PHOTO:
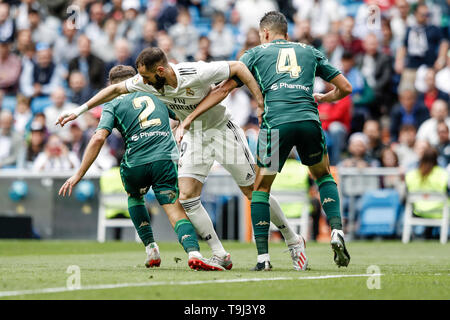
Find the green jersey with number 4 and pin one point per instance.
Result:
(143, 121)
(285, 72)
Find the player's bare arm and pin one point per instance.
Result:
(91, 153)
(220, 92)
(105, 95)
(342, 88)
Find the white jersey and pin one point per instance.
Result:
(194, 81)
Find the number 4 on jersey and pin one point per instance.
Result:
(287, 62)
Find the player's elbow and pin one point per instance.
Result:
(347, 88)
(99, 137)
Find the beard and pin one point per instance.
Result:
(160, 82)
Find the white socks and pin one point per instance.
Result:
(203, 225)
(279, 220)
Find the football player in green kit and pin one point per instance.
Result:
(285, 72)
(149, 161)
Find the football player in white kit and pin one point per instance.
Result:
(212, 137)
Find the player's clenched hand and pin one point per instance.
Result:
(65, 117)
(182, 128)
(318, 97)
(69, 185)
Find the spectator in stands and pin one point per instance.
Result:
(347, 40)
(221, 37)
(387, 43)
(399, 22)
(7, 25)
(104, 47)
(22, 13)
(164, 12)
(443, 146)
(302, 33)
(165, 43)
(148, 39)
(375, 146)
(78, 139)
(377, 70)
(35, 144)
(424, 44)
(185, 36)
(122, 52)
(332, 49)
(323, 14)
(23, 44)
(251, 40)
(55, 157)
(78, 91)
(115, 12)
(66, 46)
(357, 148)
(11, 142)
(407, 111)
(40, 31)
(431, 93)
(428, 130)
(389, 159)
(428, 177)
(362, 95)
(405, 146)
(131, 26)
(443, 77)
(22, 115)
(59, 104)
(91, 66)
(335, 118)
(94, 29)
(204, 52)
(40, 77)
(10, 68)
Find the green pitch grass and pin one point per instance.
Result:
(419, 270)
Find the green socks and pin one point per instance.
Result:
(261, 220)
(186, 235)
(329, 197)
(141, 219)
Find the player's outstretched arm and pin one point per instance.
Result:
(103, 96)
(220, 92)
(342, 88)
(90, 154)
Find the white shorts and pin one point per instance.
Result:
(228, 146)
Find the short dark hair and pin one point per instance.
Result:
(120, 73)
(149, 57)
(347, 55)
(274, 21)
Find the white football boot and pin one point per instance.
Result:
(153, 257)
(341, 255)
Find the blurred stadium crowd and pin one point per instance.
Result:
(395, 53)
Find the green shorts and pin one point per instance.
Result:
(161, 175)
(275, 144)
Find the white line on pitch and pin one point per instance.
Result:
(172, 283)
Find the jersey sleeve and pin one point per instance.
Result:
(247, 59)
(135, 84)
(324, 69)
(213, 72)
(107, 119)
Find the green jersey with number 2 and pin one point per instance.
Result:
(285, 72)
(143, 121)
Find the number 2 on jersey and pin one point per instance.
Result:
(287, 62)
(149, 108)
